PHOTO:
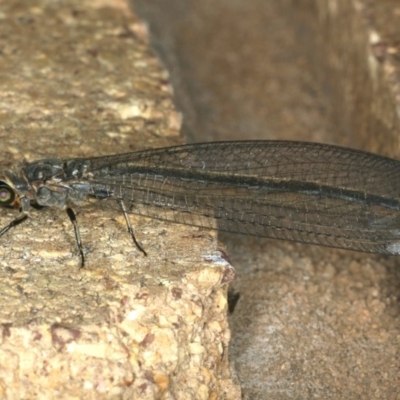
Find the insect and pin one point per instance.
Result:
(306, 192)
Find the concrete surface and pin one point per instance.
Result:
(311, 322)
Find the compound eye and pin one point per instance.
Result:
(7, 194)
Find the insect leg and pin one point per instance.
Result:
(130, 229)
(21, 217)
(72, 217)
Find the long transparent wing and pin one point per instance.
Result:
(300, 161)
(305, 192)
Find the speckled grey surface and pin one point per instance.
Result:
(78, 79)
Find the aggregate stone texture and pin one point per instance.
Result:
(78, 78)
